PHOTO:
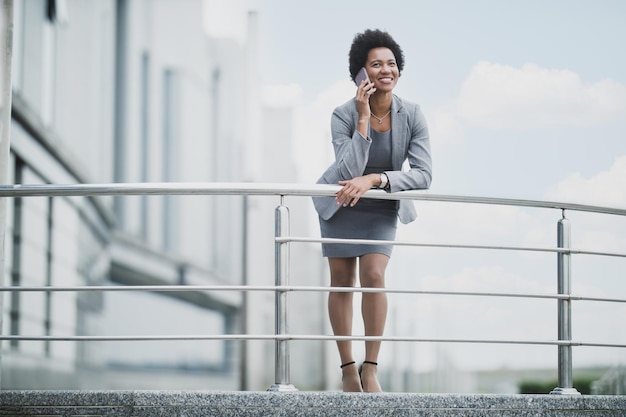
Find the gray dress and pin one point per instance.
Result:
(369, 218)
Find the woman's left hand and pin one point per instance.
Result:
(353, 189)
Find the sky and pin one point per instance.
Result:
(524, 99)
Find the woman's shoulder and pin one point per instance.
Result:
(347, 107)
(405, 105)
(412, 111)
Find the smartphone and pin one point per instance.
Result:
(362, 75)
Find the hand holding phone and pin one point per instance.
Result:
(361, 75)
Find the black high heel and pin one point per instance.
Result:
(358, 381)
(364, 362)
(361, 368)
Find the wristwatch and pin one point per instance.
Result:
(384, 181)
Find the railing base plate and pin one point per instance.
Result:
(565, 391)
(282, 388)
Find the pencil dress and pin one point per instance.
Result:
(370, 219)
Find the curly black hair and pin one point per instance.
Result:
(370, 39)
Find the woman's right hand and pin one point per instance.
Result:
(362, 99)
(363, 94)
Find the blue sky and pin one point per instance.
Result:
(524, 99)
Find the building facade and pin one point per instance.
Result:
(108, 92)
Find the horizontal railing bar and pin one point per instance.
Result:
(283, 189)
(575, 251)
(600, 299)
(416, 244)
(438, 340)
(283, 288)
(293, 288)
(139, 338)
(149, 288)
(285, 239)
(135, 338)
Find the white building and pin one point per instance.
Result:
(135, 91)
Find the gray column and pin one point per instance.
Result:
(6, 41)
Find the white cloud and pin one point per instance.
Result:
(444, 125)
(313, 146)
(485, 278)
(506, 318)
(497, 271)
(502, 97)
(495, 96)
(606, 188)
(469, 317)
(478, 224)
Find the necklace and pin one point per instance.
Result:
(380, 119)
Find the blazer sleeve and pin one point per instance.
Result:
(419, 175)
(351, 156)
(351, 148)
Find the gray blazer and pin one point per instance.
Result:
(409, 141)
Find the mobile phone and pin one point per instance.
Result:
(362, 75)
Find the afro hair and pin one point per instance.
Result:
(370, 39)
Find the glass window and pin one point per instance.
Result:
(140, 313)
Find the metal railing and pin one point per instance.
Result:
(283, 239)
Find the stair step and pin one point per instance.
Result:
(326, 404)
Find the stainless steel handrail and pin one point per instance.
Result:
(283, 240)
(276, 189)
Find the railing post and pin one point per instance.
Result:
(566, 382)
(281, 219)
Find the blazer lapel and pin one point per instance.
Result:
(399, 138)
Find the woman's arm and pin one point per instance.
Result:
(351, 148)
(419, 176)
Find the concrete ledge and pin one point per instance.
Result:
(326, 404)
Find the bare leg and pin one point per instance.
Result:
(374, 310)
(343, 274)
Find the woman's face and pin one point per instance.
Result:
(382, 69)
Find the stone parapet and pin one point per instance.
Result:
(326, 404)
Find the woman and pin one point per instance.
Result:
(373, 134)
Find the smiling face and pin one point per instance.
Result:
(382, 69)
